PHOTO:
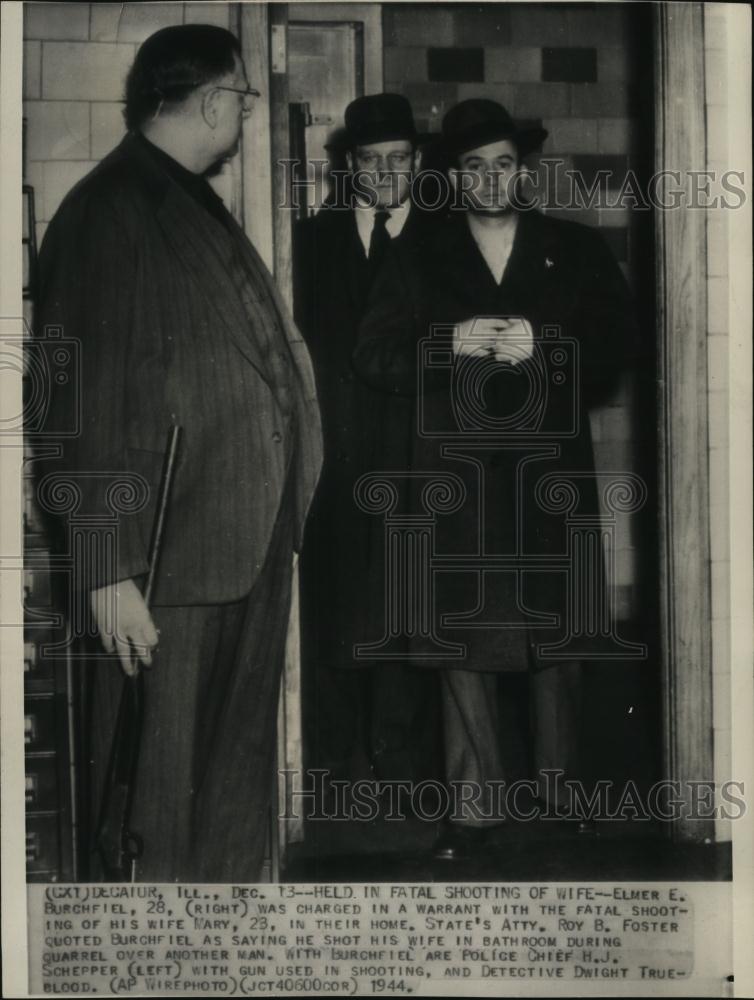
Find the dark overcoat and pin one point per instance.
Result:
(502, 432)
(363, 431)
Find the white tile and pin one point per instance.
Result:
(57, 130)
(32, 69)
(616, 424)
(34, 175)
(59, 178)
(571, 135)
(617, 216)
(434, 27)
(625, 567)
(207, 13)
(108, 127)
(513, 64)
(614, 64)
(85, 71)
(615, 135)
(57, 20)
(132, 22)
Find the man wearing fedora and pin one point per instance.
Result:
(491, 290)
(365, 720)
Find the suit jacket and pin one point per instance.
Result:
(562, 279)
(142, 275)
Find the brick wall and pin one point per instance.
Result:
(76, 56)
(718, 329)
(582, 73)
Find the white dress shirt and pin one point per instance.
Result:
(365, 221)
(515, 343)
(494, 245)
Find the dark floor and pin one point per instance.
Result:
(544, 850)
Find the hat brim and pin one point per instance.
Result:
(343, 140)
(526, 139)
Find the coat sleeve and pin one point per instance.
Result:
(87, 289)
(396, 324)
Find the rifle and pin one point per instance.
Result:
(119, 846)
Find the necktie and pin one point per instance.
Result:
(380, 238)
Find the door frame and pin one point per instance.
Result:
(681, 326)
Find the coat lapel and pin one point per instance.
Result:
(532, 269)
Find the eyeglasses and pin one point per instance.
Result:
(247, 93)
(373, 161)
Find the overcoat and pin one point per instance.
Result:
(140, 276)
(363, 431)
(505, 435)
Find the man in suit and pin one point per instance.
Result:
(363, 718)
(180, 323)
(491, 291)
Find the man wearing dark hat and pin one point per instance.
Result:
(358, 721)
(492, 290)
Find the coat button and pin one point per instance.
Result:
(277, 437)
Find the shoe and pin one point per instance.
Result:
(459, 841)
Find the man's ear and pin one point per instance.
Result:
(349, 161)
(417, 160)
(210, 107)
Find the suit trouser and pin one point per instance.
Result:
(206, 761)
(472, 736)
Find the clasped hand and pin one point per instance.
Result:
(506, 339)
(124, 624)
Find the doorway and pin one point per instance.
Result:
(639, 709)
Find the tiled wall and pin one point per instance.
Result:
(718, 328)
(76, 56)
(580, 72)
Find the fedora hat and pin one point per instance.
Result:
(375, 118)
(478, 121)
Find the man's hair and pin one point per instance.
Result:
(173, 62)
